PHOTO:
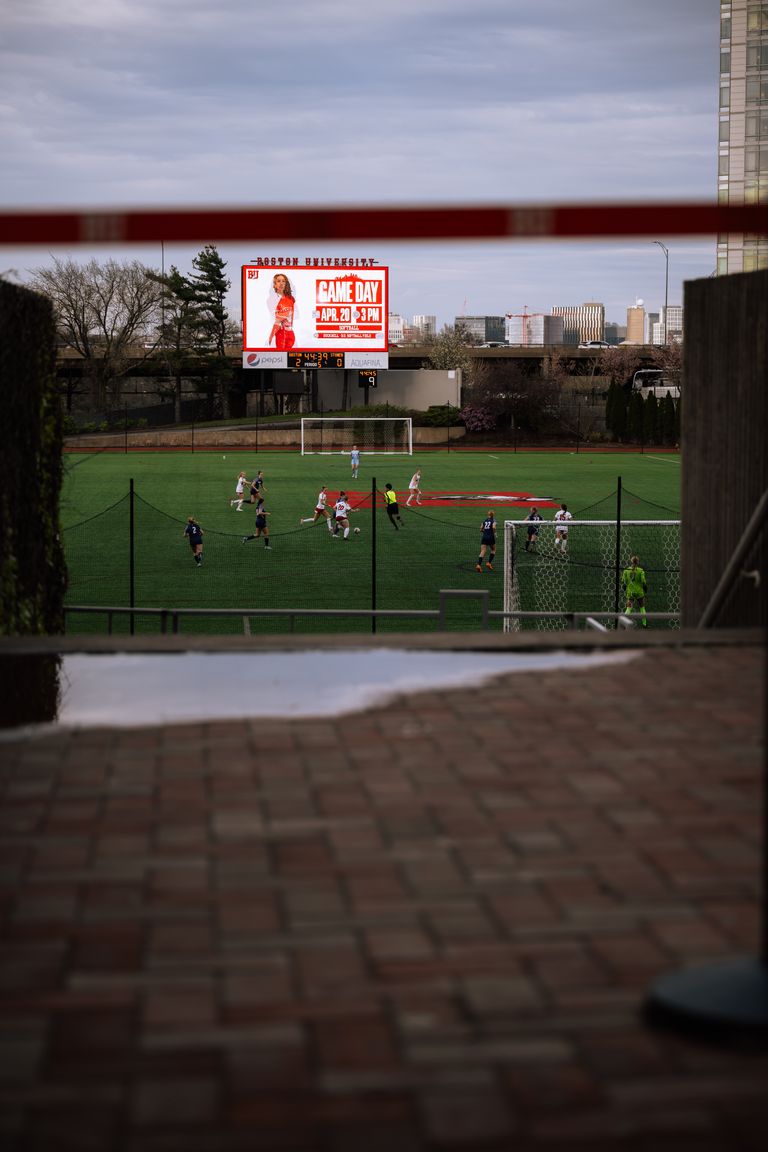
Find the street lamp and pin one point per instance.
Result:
(665, 250)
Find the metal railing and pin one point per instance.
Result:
(172, 616)
(733, 570)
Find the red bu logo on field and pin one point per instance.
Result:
(462, 499)
(503, 499)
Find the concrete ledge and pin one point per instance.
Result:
(435, 642)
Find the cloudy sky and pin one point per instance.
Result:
(138, 103)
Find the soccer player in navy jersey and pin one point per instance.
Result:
(194, 533)
(487, 542)
(257, 489)
(534, 518)
(261, 527)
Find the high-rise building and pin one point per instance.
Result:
(483, 329)
(615, 333)
(582, 322)
(396, 328)
(742, 162)
(669, 332)
(425, 326)
(636, 324)
(533, 329)
(672, 319)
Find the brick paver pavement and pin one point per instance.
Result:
(425, 927)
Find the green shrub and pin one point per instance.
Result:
(438, 416)
(377, 410)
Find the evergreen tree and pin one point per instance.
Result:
(616, 412)
(634, 432)
(668, 434)
(650, 419)
(210, 286)
(210, 291)
(180, 325)
(610, 411)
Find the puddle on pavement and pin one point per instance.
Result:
(129, 691)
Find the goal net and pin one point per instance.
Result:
(586, 577)
(372, 435)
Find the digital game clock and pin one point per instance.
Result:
(315, 359)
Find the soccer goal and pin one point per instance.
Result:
(586, 577)
(372, 435)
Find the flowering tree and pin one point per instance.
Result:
(478, 418)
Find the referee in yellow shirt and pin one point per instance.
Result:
(390, 502)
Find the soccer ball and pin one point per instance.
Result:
(357, 531)
(223, 457)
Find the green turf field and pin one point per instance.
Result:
(436, 550)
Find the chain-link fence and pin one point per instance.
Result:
(135, 555)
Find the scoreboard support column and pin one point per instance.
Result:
(367, 378)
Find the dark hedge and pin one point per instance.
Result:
(32, 569)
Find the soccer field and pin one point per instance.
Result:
(305, 569)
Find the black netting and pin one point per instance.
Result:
(304, 568)
(586, 577)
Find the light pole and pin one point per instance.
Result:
(665, 250)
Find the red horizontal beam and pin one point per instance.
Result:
(393, 224)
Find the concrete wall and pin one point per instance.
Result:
(725, 441)
(418, 389)
(204, 439)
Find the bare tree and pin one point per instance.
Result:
(621, 362)
(102, 311)
(449, 350)
(669, 357)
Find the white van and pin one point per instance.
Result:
(655, 381)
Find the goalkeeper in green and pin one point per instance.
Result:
(635, 588)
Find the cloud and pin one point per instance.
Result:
(190, 102)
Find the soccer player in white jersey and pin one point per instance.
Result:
(341, 508)
(562, 516)
(242, 480)
(321, 509)
(414, 488)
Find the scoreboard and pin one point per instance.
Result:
(319, 314)
(315, 360)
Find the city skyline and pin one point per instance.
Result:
(418, 103)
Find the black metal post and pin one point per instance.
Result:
(764, 924)
(193, 433)
(131, 564)
(125, 429)
(617, 559)
(373, 552)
